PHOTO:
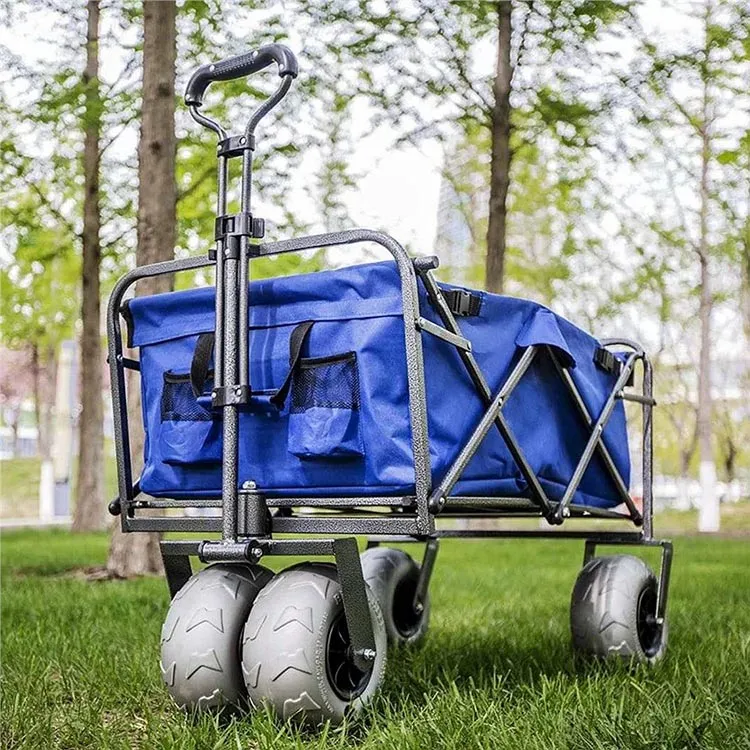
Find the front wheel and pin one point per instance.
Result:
(200, 639)
(296, 651)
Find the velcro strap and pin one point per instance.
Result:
(462, 302)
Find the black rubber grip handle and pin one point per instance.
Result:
(239, 67)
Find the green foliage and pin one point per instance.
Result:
(424, 65)
(39, 277)
(418, 61)
(41, 170)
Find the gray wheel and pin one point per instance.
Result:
(295, 651)
(200, 640)
(613, 610)
(392, 575)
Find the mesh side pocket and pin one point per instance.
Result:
(324, 412)
(178, 402)
(189, 434)
(326, 382)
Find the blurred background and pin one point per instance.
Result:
(591, 155)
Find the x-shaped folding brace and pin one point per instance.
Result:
(554, 512)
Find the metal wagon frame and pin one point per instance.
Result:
(250, 521)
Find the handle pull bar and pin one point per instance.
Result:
(240, 67)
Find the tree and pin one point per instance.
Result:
(38, 298)
(137, 554)
(545, 227)
(501, 152)
(89, 512)
(688, 95)
(417, 63)
(39, 276)
(51, 119)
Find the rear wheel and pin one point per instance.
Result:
(296, 651)
(393, 575)
(613, 610)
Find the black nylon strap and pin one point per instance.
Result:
(201, 364)
(296, 342)
(204, 347)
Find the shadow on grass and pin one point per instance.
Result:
(465, 662)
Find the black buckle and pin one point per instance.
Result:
(462, 302)
(611, 363)
(607, 361)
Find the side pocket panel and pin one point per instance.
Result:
(189, 433)
(324, 416)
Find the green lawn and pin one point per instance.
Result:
(80, 659)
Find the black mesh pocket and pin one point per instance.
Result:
(326, 382)
(178, 402)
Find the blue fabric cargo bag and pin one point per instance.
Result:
(330, 409)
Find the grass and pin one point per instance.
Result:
(80, 659)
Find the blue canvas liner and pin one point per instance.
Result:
(344, 429)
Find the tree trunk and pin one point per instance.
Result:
(684, 499)
(731, 451)
(89, 513)
(745, 260)
(138, 553)
(501, 153)
(708, 515)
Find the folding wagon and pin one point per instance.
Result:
(370, 401)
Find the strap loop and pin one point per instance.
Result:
(204, 349)
(296, 342)
(201, 364)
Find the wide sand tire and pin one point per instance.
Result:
(392, 575)
(294, 650)
(613, 610)
(200, 639)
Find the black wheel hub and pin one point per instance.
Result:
(405, 617)
(649, 630)
(346, 678)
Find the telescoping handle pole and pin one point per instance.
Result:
(232, 234)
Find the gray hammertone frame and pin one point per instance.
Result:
(249, 520)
